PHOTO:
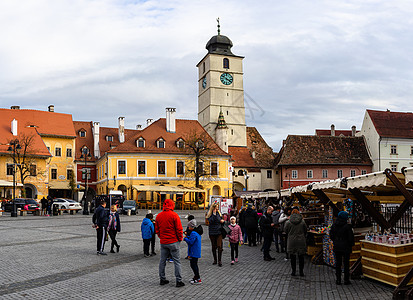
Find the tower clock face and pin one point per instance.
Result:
(226, 78)
(204, 82)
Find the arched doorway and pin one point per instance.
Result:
(216, 190)
(124, 190)
(31, 190)
(238, 186)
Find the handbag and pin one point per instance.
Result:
(225, 230)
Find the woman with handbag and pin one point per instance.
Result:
(214, 220)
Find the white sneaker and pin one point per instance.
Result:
(195, 281)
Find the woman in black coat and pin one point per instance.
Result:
(342, 236)
(214, 218)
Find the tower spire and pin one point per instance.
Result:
(219, 27)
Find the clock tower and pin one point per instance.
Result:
(221, 92)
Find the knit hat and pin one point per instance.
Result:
(192, 223)
(343, 215)
(233, 218)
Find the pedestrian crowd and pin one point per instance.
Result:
(285, 227)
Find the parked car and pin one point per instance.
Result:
(129, 205)
(21, 203)
(67, 204)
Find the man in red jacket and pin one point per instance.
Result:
(168, 227)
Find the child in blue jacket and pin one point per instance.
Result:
(148, 230)
(193, 239)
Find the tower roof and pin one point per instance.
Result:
(221, 121)
(220, 44)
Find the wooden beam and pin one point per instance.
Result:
(366, 204)
(403, 284)
(326, 201)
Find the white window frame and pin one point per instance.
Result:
(82, 132)
(393, 164)
(158, 143)
(137, 166)
(55, 150)
(294, 174)
(88, 172)
(363, 172)
(324, 173)
(176, 168)
(310, 174)
(157, 168)
(140, 139)
(393, 147)
(117, 166)
(339, 172)
(109, 138)
(352, 173)
(71, 152)
(269, 172)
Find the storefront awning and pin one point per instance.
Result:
(408, 174)
(368, 180)
(59, 185)
(166, 189)
(5, 183)
(285, 193)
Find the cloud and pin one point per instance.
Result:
(307, 64)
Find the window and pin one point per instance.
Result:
(180, 143)
(33, 171)
(225, 63)
(240, 173)
(200, 167)
(269, 173)
(68, 152)
(393, 167)
(141, 167)
(109, 138)
(352, 173)
(84, 172)
(294, 174)
(10, 169)
(69, 174)
(141, 143)
(161, 143)
(54, 173)
(121, 167)
(85, 150)
(411, 150)
(339, 173)
(203, 67)
(325, 173)
(161, 167)
(82, 133)
(363, 172)
(309, 173)
(214, 168)
(180, 168)
(58, 151)
(393, 149)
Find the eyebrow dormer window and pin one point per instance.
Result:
(140, 143)
(161, 143)
(82, 133)
(225, 63)
(180, 143)
(109, 138)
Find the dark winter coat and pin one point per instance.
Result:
(251, 219)
(116, 215)
(342, 236)
(242, 219)
(296, 230)
(265, 224)
(214, 227)
(100, 217)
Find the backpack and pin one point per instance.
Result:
(199, 229)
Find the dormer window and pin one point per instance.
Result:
(109, 138)
(161, 143)
(82, 133)
(180, 143)
(200, 144)
(225, 63)
(140, 143)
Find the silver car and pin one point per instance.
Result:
(67, 204)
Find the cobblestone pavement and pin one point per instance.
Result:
(55, 258)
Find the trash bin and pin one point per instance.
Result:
(55, 209)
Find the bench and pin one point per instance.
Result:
(36, 212)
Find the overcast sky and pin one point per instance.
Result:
(308, 64)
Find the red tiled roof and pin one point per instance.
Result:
(392, 124)
(327, 132)
(158, 129)
(264, 156)
(314, 150)
(242, 157)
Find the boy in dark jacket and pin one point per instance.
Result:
(193, 239)
(147, 230)
(342, 236)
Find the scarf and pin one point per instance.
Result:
(112, 221)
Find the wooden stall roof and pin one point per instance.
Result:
(408, 174)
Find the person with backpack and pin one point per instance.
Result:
(193, 239)
(235, 238)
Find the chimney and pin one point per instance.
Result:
(149, 122)
(139, 127)
(121, 129)
(95, 130)
(51, 108)
(14, 127)
(353, 130)
(333, 130)
(170, 119)
(15, 107)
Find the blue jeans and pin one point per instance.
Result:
(173, 250)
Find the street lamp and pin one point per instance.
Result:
(14, 148)
(85, 154)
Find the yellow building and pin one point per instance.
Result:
(45, 140)
(158, 163)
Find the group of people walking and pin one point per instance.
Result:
(286, 228)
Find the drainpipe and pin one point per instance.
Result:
(379, 154)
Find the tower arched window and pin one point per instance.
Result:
(225, 63)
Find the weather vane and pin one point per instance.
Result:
(219, 26)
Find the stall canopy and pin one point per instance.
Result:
(4, 183)
(408, 174)
(166, 189)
